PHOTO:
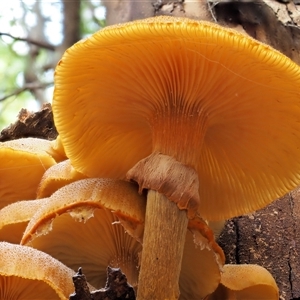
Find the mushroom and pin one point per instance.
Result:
(57, 149)
(245, 282)
(23, 163)
(99, 241)
(201, 115)
(26, 273)
(14, 219)
(56, 177)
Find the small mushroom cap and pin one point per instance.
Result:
(246, 282)
(14, 219)
(57, 150)
(26, 273)
(126, 79)
(118, 196)
(98, 241)
(56, 177)
(200, 273)
(23, 163)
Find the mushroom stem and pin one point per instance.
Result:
(164, 222)
(173, 197)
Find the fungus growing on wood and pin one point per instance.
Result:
(194, 111)
(26, 273)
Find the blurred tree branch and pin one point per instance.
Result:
(30, 41)
(27, 87)
(71, 24)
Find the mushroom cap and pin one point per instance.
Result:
(57, 150)
(26, 273)
(200, 273)
(112, 89)
(23, 163)
(14, 219)
(246, 282)
(99, 240)
(56, 177)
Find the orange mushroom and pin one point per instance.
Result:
(201, 115)
(14, 219)
(23, 163)
(56, 177)
(245, 282)
(94, 243)
(26, 273)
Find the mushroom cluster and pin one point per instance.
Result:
(166, 125)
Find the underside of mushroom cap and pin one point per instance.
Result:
(83, 196)
(173, 85)
(26, 273)
(94, 245)
(99, 240)
(14, 219)
(23, 163)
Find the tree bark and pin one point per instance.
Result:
(271, 22)
(269, 237)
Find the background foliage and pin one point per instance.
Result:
(33, 37)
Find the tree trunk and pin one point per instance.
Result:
(269, 237)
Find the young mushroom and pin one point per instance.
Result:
(56, 177)
(201, 115)
(23, 163)
(26, 273)
(14, 219)
(245, 282)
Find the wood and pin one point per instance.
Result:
(38, 125)
(270, 238)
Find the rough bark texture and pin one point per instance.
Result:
(270, 238)
(271, 22)
(39, 125)
(116, 287)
